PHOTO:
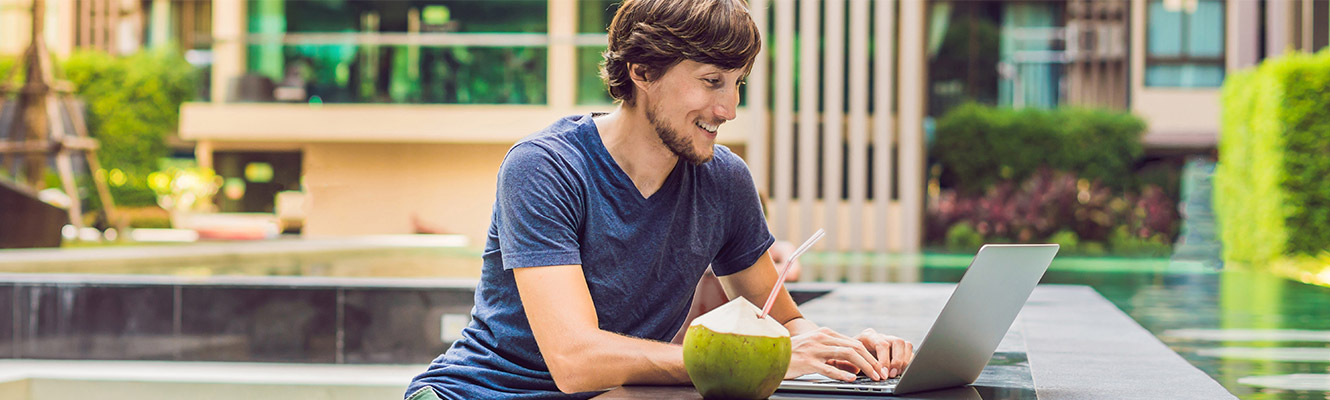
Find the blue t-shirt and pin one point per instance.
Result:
(562, 200)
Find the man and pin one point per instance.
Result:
(602, 224)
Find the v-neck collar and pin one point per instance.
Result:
(620, 178)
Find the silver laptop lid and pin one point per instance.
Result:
(976, 317)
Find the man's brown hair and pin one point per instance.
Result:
(657, 34)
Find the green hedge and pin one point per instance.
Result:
(978, 146)
(1272, 197)
(132, 104)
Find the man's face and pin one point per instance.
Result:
(687, 105)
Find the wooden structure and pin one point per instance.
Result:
(47, 124)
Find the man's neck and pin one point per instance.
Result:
(635, 146)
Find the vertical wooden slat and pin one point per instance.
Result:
(104, 25)
(95, 21)
(159, 17)
(113, 8)
(833, 119)
(784, 118)
(757, 150)
(561, 66)
(858, 122)
(228, 32)
(93, 6)
(1278, 36)
(85, 22)
(107, 20)
(883, 133)
(911, 114)
(188, 20)
(809, 35)
(1242, 33)
(1308, 27)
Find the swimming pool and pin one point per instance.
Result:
(1261, 336)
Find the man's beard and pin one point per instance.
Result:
(678, 144)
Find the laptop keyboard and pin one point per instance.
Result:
(863, 380)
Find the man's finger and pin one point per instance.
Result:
(844, 366)
(909, 352)
(899, 357)
(874, 365)
(832, 372)
(853, 356)
(884, 357)
(870, 365)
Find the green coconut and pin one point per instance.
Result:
(730, 353)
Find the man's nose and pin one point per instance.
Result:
(725, 108)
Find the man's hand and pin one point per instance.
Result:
(834, 355)
(892, 352)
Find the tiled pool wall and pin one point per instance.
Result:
(243, 319)
(307, 323)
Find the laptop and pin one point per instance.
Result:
(966, 333)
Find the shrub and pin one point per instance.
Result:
(963, 238)
(1099, 145)
(1048, 203)
(7, 70)
(1093, 249)
(1125, 242)
(1066, 240)
(1271, 196)
(133, 103)
(978, 146)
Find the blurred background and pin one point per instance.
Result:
(310, 181)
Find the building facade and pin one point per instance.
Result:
(396, 114)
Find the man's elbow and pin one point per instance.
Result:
(572, 374)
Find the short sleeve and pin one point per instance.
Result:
(747, 237)
(538, 203)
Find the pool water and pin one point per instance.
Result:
(1259, 335)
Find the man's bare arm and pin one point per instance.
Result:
(582, 357)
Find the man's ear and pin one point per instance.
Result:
(638, 74)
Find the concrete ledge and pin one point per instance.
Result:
(1078, 340)
(43, 380)
(380, 256)
(238, 281)
(225, 251)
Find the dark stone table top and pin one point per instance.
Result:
(1067, 343)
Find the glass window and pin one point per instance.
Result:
(591, 89)
(964, 49)
(1185, 44)
(466, 16)
(593, 21)
(403, 51)
(594, 16)
(402, 74)
(1030, 67)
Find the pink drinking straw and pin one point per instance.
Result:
(780, 280)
